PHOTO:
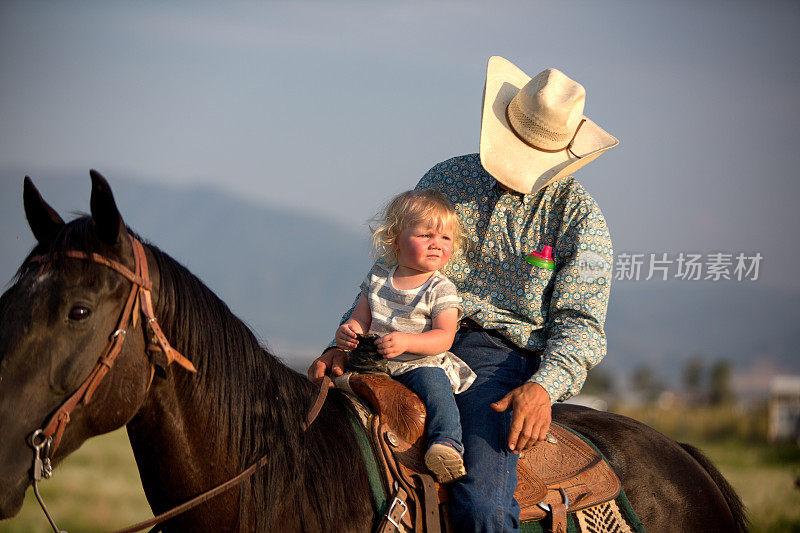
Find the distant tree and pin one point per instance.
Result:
(719, 383)
(693, 374)
(644, 381)
(598, 382)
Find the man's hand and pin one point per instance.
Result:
(392, 345)
(532, 413)
(333, 359)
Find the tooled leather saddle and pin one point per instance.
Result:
(560, 475)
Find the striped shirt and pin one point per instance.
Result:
(413, 311)
(408, 311)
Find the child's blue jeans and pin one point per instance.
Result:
(434, 389)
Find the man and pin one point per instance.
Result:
(534, 278)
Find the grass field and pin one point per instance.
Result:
(97, 488)
(764, 476)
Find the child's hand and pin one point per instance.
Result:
(346, 338)
(392, 345)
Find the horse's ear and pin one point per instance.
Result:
(43, 219)
(105, 214)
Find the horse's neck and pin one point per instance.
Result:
(182, 439)
(175, 452)
(171, 436)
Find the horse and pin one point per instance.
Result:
(193, 430)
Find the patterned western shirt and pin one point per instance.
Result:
(557, 313)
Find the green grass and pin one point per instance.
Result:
(95, 489)
(764, 477)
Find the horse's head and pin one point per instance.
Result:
(55, 323)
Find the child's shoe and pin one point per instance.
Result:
(445, 462)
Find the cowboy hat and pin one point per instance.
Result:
(533, 130)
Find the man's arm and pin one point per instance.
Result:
(576, 338)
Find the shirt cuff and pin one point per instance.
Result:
(558, 392)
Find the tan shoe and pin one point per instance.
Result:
(445, 462)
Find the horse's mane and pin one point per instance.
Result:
(235, 374)
(256, 405)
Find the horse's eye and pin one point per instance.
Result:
(79, 312)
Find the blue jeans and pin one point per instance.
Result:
(433, 387)
(484, 499)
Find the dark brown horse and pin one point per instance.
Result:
(192, 431)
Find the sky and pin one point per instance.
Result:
(333, 107)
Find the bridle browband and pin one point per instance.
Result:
(46, 439)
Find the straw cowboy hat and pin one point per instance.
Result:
(533, 130)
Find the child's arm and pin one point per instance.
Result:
(358, 323)
(433, 342)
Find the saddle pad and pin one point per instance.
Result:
(616, 516)
(608, 517)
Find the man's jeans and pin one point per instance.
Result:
(484, 499)
(434, 389)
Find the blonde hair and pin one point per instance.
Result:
(407, 209)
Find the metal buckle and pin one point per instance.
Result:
(42, 448)
(396, 501)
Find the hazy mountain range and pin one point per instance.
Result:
(290, 275)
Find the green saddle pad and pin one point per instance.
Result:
(600, 518)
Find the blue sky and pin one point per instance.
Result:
(332, 107)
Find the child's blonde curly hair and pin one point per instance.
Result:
(407, 209)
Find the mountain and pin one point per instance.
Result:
(288, 275)
(291, 275)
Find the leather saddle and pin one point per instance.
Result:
(558, 476)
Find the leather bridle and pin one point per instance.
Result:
(141, 287)
(46, 439)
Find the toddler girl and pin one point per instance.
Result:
(414, 311)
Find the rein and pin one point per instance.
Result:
(46, 439)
